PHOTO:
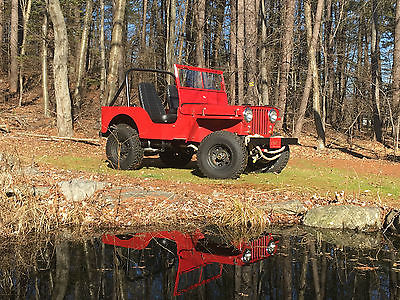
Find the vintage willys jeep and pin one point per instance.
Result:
(197, 119)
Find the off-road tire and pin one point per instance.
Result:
(276, 166)
(178, 158)
(124, 150)
(221, 155)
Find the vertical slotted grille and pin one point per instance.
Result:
(259, 248)
(259, 124)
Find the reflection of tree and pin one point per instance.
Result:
(62, 270)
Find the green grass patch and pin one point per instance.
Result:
(302, 176)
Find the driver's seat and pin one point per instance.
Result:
(152, 104)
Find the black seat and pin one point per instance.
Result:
(152, 104)
(172, 99)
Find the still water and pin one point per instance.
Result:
(294, 264)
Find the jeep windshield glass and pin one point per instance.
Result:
(200, 80)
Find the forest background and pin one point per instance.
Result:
(334, 61)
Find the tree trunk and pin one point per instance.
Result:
(251, 21)
(232, 57)
(103, 71)
(116, 51)
(375, 93)
(14, 47)
(312, 52)
(81, 63)
(169, 46)
(60, 66)
(144, 21)
(396, 62)
(1, 33)
(26, 12)
(45, 83)
(264, 60)
(200, 21)
(287, 51)
(239, 50)
(181, 36)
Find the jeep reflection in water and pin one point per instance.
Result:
(196, 119)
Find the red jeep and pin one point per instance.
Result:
(196, 119)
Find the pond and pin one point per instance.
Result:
(283, 264)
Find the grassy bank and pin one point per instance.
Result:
(301, 176)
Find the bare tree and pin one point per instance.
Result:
(312, 55)
(45, 64)
(116, 50)
(200, 11)
(287, 51)
(232, 58)
(81, 60)
(14, 47)
(170, 41)
(26, 6)
(396, 61)
(103, 72)
(1, 32)
(375, 74)
(264, 60)
(60, 66)
(239, 50)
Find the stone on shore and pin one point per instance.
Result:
(294, 207)
(344, 217)
(79, 189)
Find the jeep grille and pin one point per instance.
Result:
(259, 248)
(260, 121)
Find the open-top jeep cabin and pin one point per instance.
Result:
(196, 119)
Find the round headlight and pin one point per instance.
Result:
(246, 256)
(273, 115)
(248, 114)
(271, 247)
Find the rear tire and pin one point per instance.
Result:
(124, 150)
(221, 155)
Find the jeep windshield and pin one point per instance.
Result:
(200, 80)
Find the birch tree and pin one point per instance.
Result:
(45, 83)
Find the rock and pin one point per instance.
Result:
(344, 217)
(294, 207)
(79, 189)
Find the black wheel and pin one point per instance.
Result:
(222, 154)
(275, 166)
(123, 148)
(178, 158)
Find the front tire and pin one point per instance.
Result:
(124, 150)
(221, 155)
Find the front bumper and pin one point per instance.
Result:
(275, 142)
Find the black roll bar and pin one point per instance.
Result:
(126, 82)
